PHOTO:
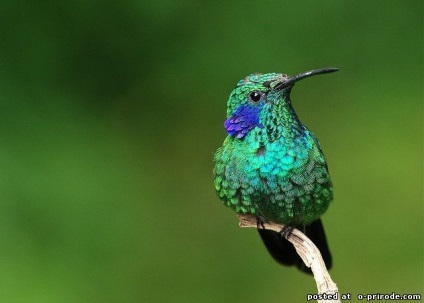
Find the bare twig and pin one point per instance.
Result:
(327, 289)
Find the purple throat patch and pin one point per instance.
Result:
(243, 120)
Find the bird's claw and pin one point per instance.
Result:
(286, 231)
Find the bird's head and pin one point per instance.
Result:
(263, 101)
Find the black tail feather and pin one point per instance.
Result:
(284, 252)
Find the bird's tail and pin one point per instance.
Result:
(284, 252)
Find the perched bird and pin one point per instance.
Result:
(271, 166)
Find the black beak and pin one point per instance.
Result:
(290, 81)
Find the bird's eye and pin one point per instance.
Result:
(255, 96)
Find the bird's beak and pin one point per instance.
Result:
(290, 81)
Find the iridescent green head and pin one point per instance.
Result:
(262, 100)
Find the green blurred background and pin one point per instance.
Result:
(110, 113)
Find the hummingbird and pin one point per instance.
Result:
(272, 166)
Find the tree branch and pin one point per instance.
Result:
(309, 253)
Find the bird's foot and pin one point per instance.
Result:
(260, 222)
(286, 231)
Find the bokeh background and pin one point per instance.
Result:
(110, 113)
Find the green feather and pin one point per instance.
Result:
(276, 172)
